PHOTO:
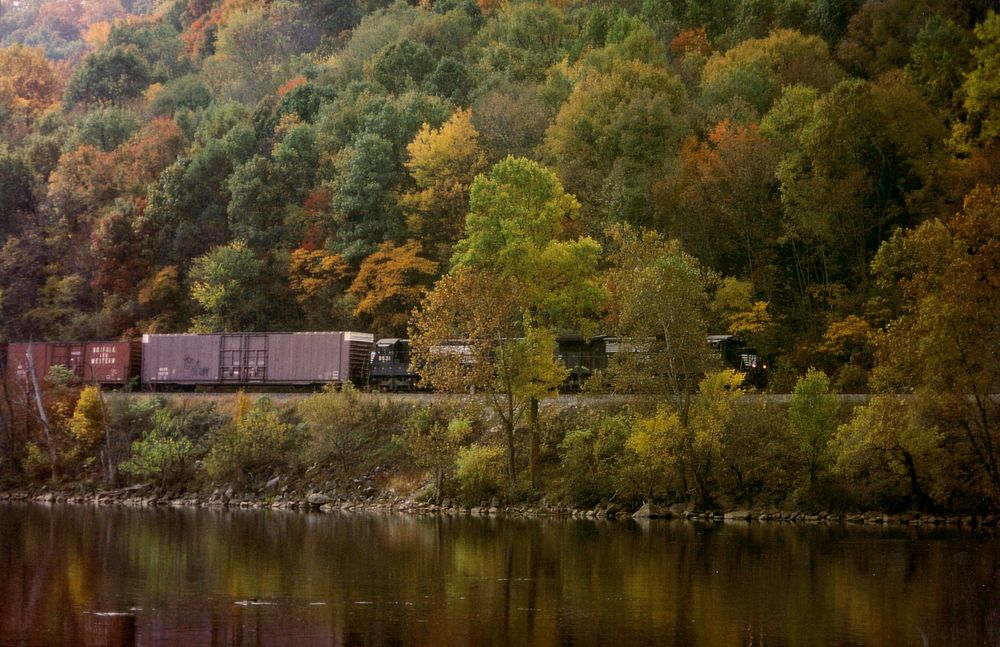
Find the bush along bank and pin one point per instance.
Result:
(732, 457)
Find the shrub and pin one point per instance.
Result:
(479, 471)
(348, 428)
(162, 453)
(87, 423)
(434, 442)
(251, 444)
(592, 460)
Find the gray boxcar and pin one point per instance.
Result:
(274, 358)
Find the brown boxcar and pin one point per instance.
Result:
(255, 358)
(109, 362)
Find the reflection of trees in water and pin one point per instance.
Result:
(408, 580)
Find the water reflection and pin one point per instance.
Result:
(101, 576)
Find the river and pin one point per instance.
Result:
(85, 575)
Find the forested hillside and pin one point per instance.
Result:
(240, 165)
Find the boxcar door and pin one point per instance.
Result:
(255, 358)
(70, 356)
(243, 359)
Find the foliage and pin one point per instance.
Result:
(659, 302)
(390, 283)
(619, 126)
(162, 452)
(813, 417)
(593, 460)
(781, 142)
(434, 440)
(478, 472)
(889, 455)
(653, 453)
(109, 75)
(981, 87)
(443, 163)
(87, 423)
(226, 284)
(757, 69)
(935, 348)
(513, 282)
(346, 429)
(251, 445)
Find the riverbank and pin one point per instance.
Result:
(319, 502)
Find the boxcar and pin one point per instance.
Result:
(293, 359)
(104, 362)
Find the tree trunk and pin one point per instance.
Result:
(111, 470)
(535, 445)
(43, 417)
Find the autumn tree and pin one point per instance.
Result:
(318, 280)
(513, 282)
(251, 49)
(940, 347)
(28, 86)
(890, 455)
(660, 310)
(390, 283)
(614, 133)
(722, 201)
(443, 163)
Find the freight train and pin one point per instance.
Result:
(284, 359)
(199, 360)
(390, 368)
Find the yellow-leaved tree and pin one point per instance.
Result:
(443, 163)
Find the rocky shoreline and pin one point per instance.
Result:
(321, 502)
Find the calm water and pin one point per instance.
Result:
(77, 575)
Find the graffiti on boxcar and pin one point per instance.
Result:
(194, 368)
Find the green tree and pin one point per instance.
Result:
(227, 284)
(523, 40)
(163, 452)
(109, 75)
(513, 281)
(401, 66)
(982, 85)
(939, 60)
(105, 129)
(613, 135)
(813, 416)
(363, 197)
